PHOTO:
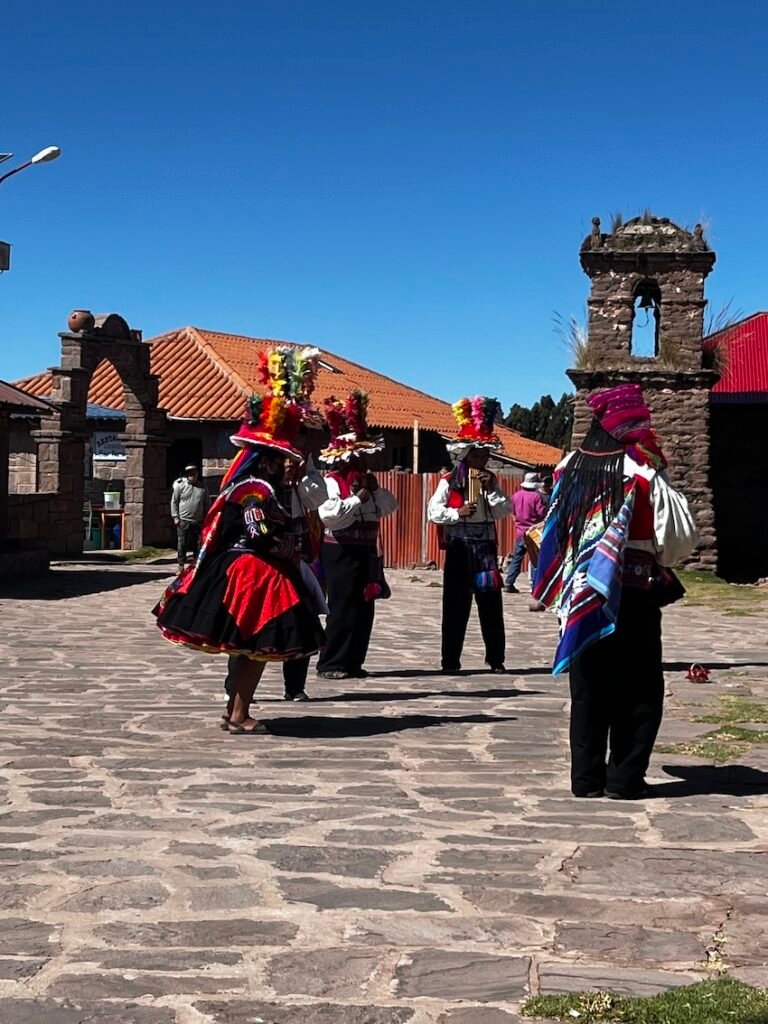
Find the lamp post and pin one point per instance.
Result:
(43, 157)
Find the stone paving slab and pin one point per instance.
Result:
(403, 849)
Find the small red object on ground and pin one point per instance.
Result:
(698, 674)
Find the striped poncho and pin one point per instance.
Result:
(583, 585)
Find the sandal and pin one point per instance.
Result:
(260, 729)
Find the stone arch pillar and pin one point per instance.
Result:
(63, 436)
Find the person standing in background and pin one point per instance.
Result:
(190, 502)
(528, 508)
(533, 540)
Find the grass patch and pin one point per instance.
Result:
(704, 589)
(722, 746)
(145, 554)
(733, 710)
(708, 1002)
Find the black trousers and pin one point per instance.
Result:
(617, 699)
(350, 622)
(188, 536)
(458, 590)
(294, 675)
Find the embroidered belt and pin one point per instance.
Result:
(361, 533)
(640, 569)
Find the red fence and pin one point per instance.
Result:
(408, 537)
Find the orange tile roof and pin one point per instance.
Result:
(209, 375)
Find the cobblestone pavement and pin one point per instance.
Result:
(403, 849)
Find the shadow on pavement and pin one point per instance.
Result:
(700, 780)
(391, 695)
(374, 725)
(416, 673)
(65, 583)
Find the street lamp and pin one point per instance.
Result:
(43, 157)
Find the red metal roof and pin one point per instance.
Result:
(746, 370)
(17, 400)
(210, 375)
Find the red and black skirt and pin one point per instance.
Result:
(240, 603)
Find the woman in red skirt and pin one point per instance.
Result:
(248, 593)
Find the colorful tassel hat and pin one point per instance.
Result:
(348, 425)
(273, 419)
(476, 418)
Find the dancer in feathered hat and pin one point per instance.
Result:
(291, 373)
(248, 593)
(614, 523)
(465, 506)
(350, 551)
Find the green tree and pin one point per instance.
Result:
(547, 421)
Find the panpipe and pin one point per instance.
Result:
(475, 487)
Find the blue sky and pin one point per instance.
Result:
(404, 183)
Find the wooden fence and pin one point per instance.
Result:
(408, 538)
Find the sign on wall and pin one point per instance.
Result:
(106, 444)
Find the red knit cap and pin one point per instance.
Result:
(621, 410)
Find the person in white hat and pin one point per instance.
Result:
(529, 508)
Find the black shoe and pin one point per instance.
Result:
(334, 675)
(638, 794)
(450, 670)
(511, 589)
(297, 698)
(592, 795)
(498, 670)
(360, 673)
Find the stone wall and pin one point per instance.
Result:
(611, 308)
(23, 565)
(44, 521)
(22, 468)
(108, 475)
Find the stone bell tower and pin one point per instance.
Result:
(646, 318)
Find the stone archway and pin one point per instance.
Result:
(63, 435)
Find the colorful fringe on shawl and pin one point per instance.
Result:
(583, 586)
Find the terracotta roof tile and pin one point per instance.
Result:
(209, 375)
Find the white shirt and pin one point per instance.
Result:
(336, 512)
(491, 505)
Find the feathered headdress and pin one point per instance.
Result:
(476, 419)
(348, 426)
(273, 419)
(290, 374)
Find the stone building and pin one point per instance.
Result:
(53, 451)
(647, 282)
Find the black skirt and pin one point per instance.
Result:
(241, 603)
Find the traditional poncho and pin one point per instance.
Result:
(583, 584)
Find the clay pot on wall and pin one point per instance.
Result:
(80, 320)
